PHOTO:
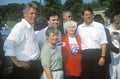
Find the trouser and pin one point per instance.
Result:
(115, 66)
(90, 67)
(55, 74)
(33, 73)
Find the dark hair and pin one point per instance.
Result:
(98, 18)
(40, 23)
(87, 9)
(51, 14)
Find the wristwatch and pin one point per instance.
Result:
(103, 56)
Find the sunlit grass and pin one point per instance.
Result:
(10, 24)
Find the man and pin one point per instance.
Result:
(114, 29)
(22, 47)
(93, 42)
(54, 21)
(66, 15)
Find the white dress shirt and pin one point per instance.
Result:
(22, 42)
(92, 36)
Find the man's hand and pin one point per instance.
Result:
(101, 61)
(18, 63)
(23, 64)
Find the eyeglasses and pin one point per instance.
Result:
(69, 16)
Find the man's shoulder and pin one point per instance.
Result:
(81, 25)
(19, 25)
(41, 31)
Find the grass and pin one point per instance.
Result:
(10, 24)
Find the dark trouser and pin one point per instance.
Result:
(33, 73)
(107, 72)
(90, 67)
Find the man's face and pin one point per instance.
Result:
(31, 15)
(54, 21)
(88, 17)
(67, 17)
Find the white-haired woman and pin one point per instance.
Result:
(71, 51)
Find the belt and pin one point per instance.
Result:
(90, 50)
(57, 70)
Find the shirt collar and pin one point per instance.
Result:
(91, 25)
(28, 25)
(52, 47)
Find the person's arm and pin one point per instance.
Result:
(48, 73)
(9, 47)
(102, 57)
(23, 64)
(110, 45)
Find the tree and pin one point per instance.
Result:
(113, 8)
(52, 5)
(69, 3)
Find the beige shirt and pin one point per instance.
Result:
(50, 57)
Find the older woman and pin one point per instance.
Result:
(71, 51)
(51, 59)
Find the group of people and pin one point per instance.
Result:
(74, 52)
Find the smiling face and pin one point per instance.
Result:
(88, 17)
(31, 15)
(70, 30)
(54, 21)
(52, 38)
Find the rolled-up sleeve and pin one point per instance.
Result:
(9, 48)
(103, 36)
(45, 57)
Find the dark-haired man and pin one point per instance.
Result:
(54, 21)
(93, 42)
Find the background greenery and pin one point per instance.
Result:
(12, 13)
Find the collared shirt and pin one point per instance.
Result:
(41, 37)
(22, 42)
(92, 36)
(50, 57)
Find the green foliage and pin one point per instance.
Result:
(13, 12)
(113, 8)
(70, 3)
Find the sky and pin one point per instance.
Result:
(4, 2)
